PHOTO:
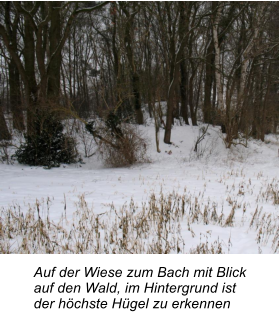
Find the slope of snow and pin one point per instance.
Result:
(243, 178)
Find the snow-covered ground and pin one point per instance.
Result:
(239, 185)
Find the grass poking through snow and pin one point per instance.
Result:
(155, 226)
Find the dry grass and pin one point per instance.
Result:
(208, 248)
(153, 227)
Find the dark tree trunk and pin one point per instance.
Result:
(137, 99)
(184, 28)
(116, 65)
(4, 132)
(15, 97)
(191, 95)
(31, 86)
(130, 56)
(14, 81)
(209, 73)
(53, 88)
(191, 102)
(183, 91)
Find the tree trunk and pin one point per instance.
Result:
(130, 55)
(191, 97)
(208, 83)
(246, 54)
(176, 108)
(218, 69)
(183, 91)
(157, 125)
(31, 85)
(15, 97)
(4, 132)
(53, 88)
(263, 112)
(184, 29)
(137, 99)
(167, 137)
(14, 81)
(174, 71)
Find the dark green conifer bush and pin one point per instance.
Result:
(47, 146)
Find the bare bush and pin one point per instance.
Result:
(121, 146)
(200, 138)
(205, 146)
(5, 156)
(84, 138)
(129, 149)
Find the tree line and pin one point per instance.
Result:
(211, 61)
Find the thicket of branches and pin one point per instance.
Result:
(211, 61)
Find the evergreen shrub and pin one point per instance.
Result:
(47, 146)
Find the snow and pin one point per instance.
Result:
(246, 178)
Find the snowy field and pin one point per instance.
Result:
(213, 201)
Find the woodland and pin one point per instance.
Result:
(214, 62)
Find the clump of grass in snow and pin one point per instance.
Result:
(208, 248)
(267, 227)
